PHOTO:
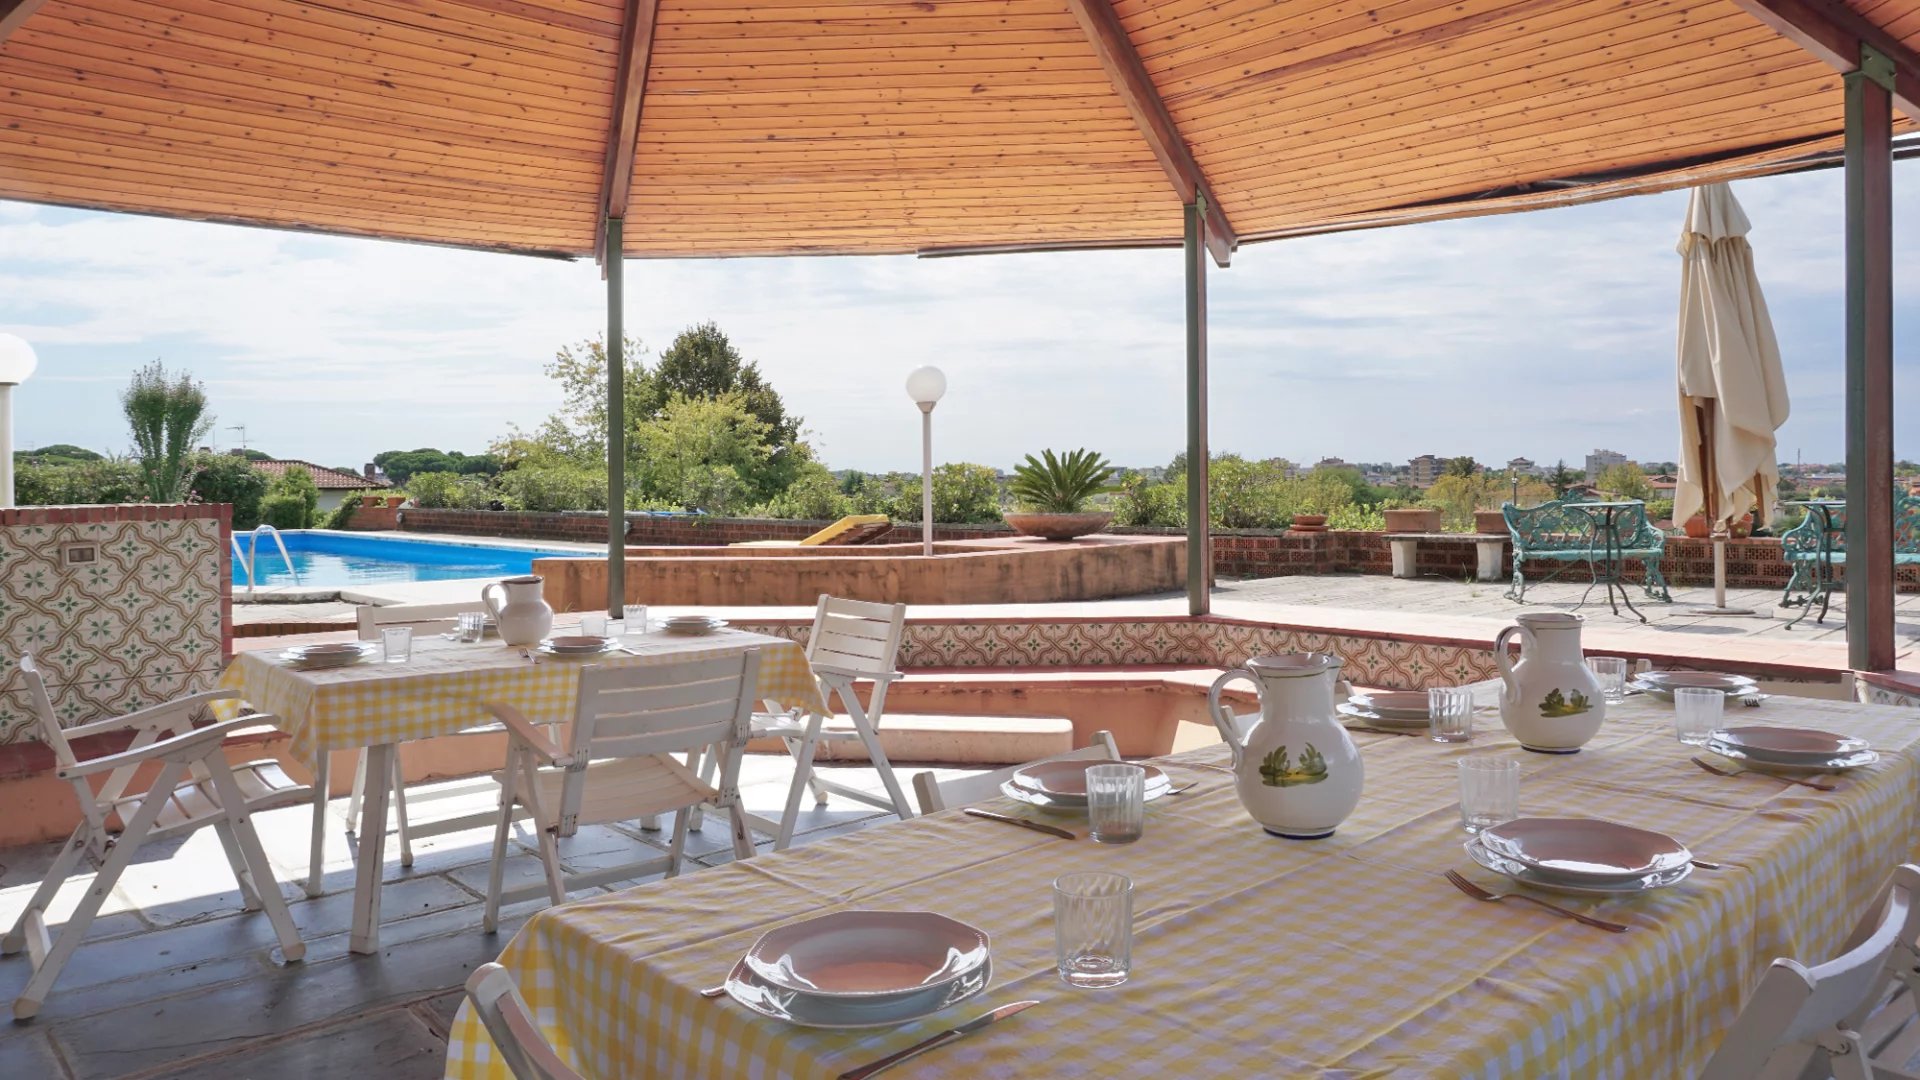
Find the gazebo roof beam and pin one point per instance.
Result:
(630, 86)
(15, 12)
(1130, 79)
(1835, 32)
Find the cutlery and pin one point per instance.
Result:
(1705, 865)
(1192, 765)
(1385, 731)
(1050, 830)
(714, 992)
(937, 1041)
(1717, 771)
(1183, 787)
(1479, 893)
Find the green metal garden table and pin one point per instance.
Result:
(1609, 568)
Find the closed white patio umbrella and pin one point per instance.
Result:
(1733, 395)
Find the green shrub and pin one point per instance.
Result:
(1144, 502)
(90, 483)
(293, 487)
(815, 495)
(1062, 484)
(552, 489)
(1354, 516)
(285, 510)
(963, 494)
(448, 491)
(225, 478)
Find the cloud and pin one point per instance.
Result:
(1540, 334)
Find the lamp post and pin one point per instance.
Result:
(16, 364)
(926, 386)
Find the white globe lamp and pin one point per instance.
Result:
(926, 386)
(16, 366)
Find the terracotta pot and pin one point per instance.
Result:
(1696, 526)
(1492, 522)
(1412, 520)
(1058, 526)
(1738, 528)
(1308, 523)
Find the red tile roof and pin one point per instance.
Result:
(323, 478)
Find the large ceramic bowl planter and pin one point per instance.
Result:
(1306, 523)
(1412, 521)
(1058, 526)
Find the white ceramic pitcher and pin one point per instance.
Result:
(525, 618)
(1297, 772)
(1551, 702)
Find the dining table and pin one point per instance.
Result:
(443, 688)
(1253, 955)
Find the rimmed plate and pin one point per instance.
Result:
(1395, 704)
(1066, 781)
(1662, 684)
(1525, 875)
(1797, 746)
(814, 1011)
(1757, 764)
(867, 955)
(1068, 804)
(1585, 850)
(577, 643)
(692, 626)
(1373, 719)
(330, 654)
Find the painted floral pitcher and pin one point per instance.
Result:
(1551, 702)
(1296, 771)
(525, 618)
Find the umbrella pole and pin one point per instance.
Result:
(1710, 489)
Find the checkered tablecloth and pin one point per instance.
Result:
(443, 687)
(1348, 957)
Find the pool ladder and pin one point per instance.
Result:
(253, 545)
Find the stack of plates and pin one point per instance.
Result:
(1388, 708)
(1662, 684)
(332, 654)
(692, 625)
(1062, 785)
(578, 645)
(1581, 855)
(860, 969)
(1784, 749)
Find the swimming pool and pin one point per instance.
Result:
(331, 559)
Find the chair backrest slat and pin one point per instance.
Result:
(370, 619)
(51, 732)
(937, 795)
(856, 635)
(664, 708)
(511, 1025)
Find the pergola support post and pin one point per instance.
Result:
(1869, 399)
(1199, 535)
(616, 422)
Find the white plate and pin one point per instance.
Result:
(867, 955)
(1841, 764)
(331, 655)
(1708, 680)
(1793, 746)
(1584, 850)
(693, 627)
(1665, 693)
(1395, 704)
(1066, 781)
(1373, 719)
(1521, 873)
(1067, 804)
(577, 643)
(808, 1010)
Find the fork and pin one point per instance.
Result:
(1717, 771)
(1478, 893)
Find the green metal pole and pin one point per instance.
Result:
(616, 424)
(1869, 381)
(1199, 536)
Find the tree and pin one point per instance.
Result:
(58, 454)
(702, 363)
(1625, 480)
(225, 478)
(704, 454)
(292, 500)
(167, 415)
(1562, 479)
(579, 430)
(399, 465)
(1460, 466)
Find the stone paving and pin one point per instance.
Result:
(176, 981)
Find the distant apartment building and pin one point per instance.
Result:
(1601, 460)
(1522, 467)
(1424, 470)
(1330, 463)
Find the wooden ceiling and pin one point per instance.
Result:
(747, 127)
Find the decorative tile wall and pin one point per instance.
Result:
(147, 619)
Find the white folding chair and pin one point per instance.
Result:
(851, 640)
(1798, 1015)
(619, 766)
(421, 618)
(937, 795)
(511, 1025)
(195, 787)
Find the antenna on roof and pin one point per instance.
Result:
(242, 429)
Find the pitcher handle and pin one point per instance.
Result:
(1510, 689)
(1222, 713)
(486, 598)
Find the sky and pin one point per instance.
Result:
(1544, 335)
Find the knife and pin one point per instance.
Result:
(935, 1041)
(1050, 830)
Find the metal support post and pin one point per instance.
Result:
(1199, 536)
(616, 424)
(1869, 383)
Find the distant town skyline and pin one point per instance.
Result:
(1545, 335)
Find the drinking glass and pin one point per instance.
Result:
(1117, 802)
(1612, 673)
(1093, 928)
(471, 626)
(1696, 712)
(635, 617)
(1489, 791)
(593, 624)
(398, 641)
(1450, 713)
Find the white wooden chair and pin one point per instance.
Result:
(511, 1025)
(370, 620)
(938, 795)
(851, 640)
(195, 787)
(1798, 1015)
(618, 766)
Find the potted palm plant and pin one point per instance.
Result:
(1052, 492)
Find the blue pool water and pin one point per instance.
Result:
(330, 559)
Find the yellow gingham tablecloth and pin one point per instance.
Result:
(441, 689)
(1255, 956)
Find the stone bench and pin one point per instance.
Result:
(1490, 547)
